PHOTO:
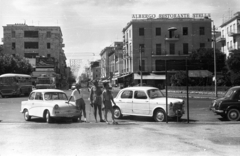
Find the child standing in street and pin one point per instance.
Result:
(107, 101)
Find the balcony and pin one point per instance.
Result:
(172, 38)
(232, 49)
(233, 33)
(221, 39)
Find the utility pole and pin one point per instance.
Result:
(140, 49)
(215, 65)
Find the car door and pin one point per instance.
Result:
(125, 101)
(141, 103)
(38, 105)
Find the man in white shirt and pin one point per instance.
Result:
(80, 104)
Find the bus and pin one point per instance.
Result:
(12, 84)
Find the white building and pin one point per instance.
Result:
(230, 34)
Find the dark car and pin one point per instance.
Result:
(229, 105)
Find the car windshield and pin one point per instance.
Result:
(55, 96)
(229, 93)
(154, 93)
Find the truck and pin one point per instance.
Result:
(45, 82)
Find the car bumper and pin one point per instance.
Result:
(217, 111)
(66, 114)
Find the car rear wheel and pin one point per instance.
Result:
(159, 115)
(233, 114)
(75, 119)
(48, 117)
(26, 115)
(117, 113)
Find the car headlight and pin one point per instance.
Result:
(56, 107)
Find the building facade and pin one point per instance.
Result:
(155, 41)
(37, 43)
(230, 34)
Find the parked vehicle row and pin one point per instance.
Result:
(146, 101)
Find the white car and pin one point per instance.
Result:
(49, 104)
(147, 101)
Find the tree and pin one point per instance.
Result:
(14, 64)
(203, 59)
(179, 79)
(233, 63)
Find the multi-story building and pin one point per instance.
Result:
(95, 70)
(158, 41)
(111, 58)
(105, 69)
(33, 41)
(230, 34)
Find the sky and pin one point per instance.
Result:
(88, 26)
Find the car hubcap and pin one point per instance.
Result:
(233, 115)
(117, 113)
(160, 116)
(26, 115)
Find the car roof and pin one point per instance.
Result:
(48, 90)
(140, 88)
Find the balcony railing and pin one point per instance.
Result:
(232, 48)
(173, 38)
(221, 39)
(234, 32)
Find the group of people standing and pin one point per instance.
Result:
(99, 100)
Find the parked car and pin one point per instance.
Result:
(147, 101)
(229, 105)
(49, 104)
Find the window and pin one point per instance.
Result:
(172, 48)
(13, 34)
(48, 55)
(127, 94)
(202, 45)
(31, 34)
(160, 65)
(140, 95)
(129, 33)
(31, 45)
(185, 48)
(185, 30)
(31, 97)
(158, 31)
(141, 31)
(201, 31)
(48, 34)
(141, 48)
(158, 49)
(38, 96)
(13, 45)
(48, 45)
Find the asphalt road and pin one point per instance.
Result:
(205, 135)
(198, 111)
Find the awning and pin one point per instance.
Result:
(199, 73)
(172, 29)
(149, 77)
(124, 76)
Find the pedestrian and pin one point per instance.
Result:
(96, 100)
(107, 101)
(80, 104)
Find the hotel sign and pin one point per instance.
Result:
(171, 16)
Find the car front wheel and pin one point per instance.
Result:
(48, 117)
(233, 114)
(159, 115)
(117, 113)
(27, 117)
